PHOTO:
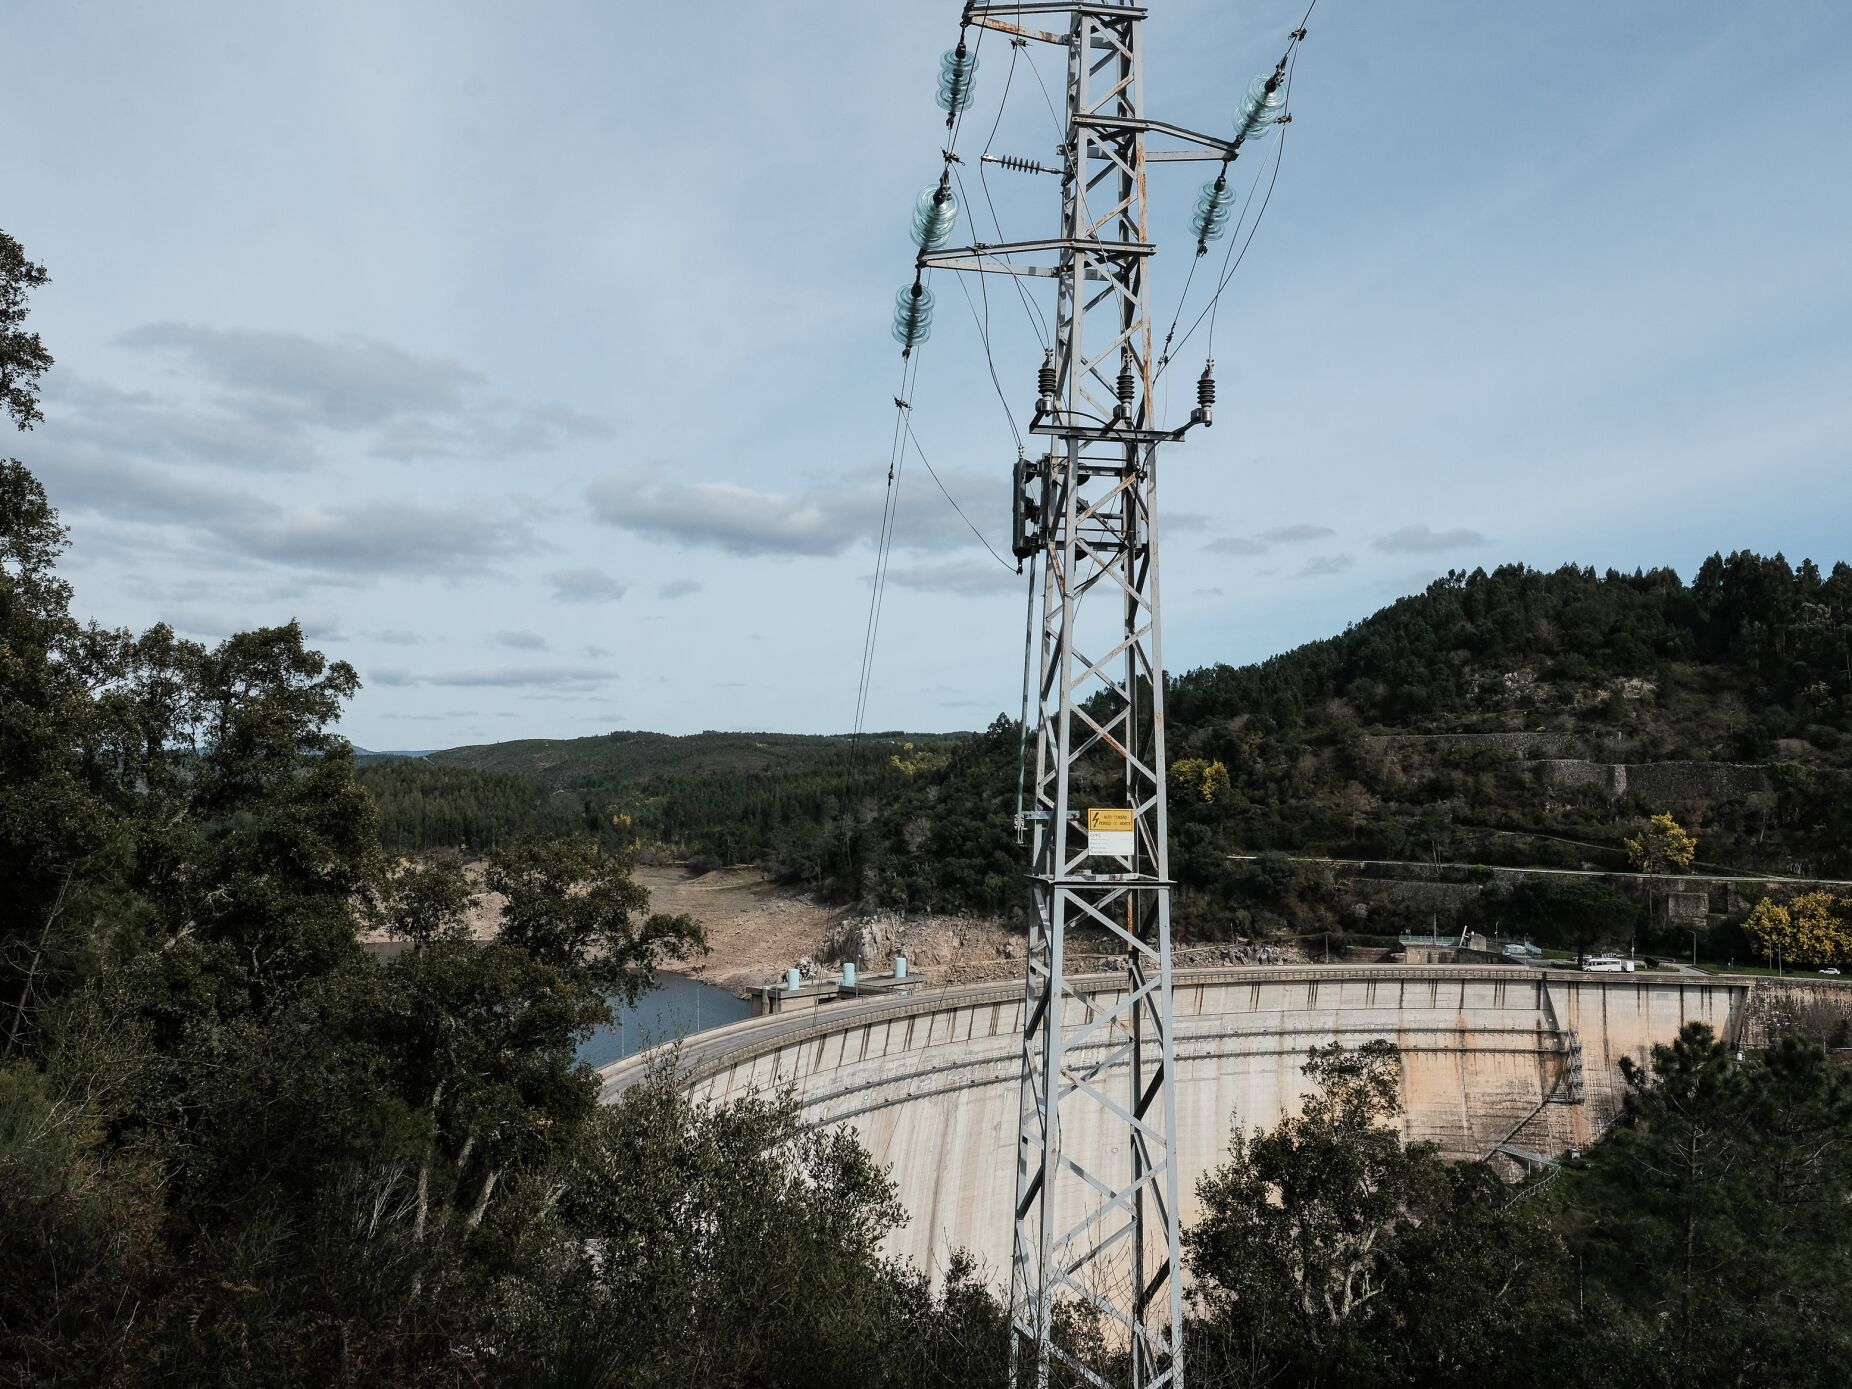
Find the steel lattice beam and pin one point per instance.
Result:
(1108, 1239)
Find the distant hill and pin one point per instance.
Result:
(729, 797)
(1517, 717)
(619, 759)
(366, 755)
(424, 805)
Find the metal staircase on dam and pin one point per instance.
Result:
(1571, 1086)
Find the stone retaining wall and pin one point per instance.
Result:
(1666, 784)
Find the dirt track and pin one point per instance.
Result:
(755, 929)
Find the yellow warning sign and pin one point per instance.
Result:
(1109, 833)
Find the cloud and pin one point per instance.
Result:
(498, 677)
(258, 398)
(345, 540)
(497, 430)
(92, 420)
(678, 588)
(520, 641)
(596, 653)
(344, 383)
(1321, 565)
(825, 519)
(132, 491)
(1296, 534)
(395, 636)
(1237, 545)
(584, 586)
(723, 514)
(967, 580)
(387, 536)
(1422, 539)
(1264, 541)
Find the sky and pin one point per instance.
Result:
(537, 359)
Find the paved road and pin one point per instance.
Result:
(722, 1044)
(1549, 872)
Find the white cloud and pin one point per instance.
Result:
(977, 577)
(1422, 539)
(1264, 541)
(498, 677)
(1320, 565)
(823, 519)
(584, 585)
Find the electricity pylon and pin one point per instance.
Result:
(1098, 1067)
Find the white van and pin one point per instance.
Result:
(1608, 964)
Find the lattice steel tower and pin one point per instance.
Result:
(1097, 1066)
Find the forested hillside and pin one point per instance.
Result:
(424, 805)
(769, 798)
(1516, 718)
(1524, 718)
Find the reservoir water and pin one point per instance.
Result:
(676, 1007)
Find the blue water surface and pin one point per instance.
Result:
(676, 1007)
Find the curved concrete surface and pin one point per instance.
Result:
(1490, 1055)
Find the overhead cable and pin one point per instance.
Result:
(954, 501)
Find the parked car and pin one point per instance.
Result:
(1830, 969)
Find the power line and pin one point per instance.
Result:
(955, 506)
(909, 375)
(1282, 74)
(1196, 260)
(909, 363)
(1060, 125)
(1037, 322)
(983, 333)
(903, 428)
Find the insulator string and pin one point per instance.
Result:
(1266, 95)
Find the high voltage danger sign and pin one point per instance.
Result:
(1109, 833)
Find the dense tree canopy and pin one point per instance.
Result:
(23, 358)
(1332, 1252)
(1703, 1243)
(237, 1149)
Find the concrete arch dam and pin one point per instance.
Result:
(1492, 1057)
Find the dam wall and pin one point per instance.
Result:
(1491, 1056)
